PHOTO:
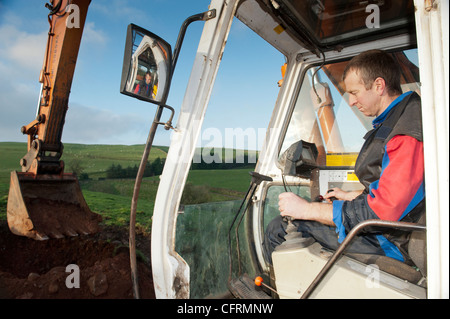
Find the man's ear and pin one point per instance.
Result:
(380, 85)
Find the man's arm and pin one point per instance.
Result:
(299, 208)
(390, 198)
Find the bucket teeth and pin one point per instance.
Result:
(39, 236)
(56, 234)
(70, 232)
(43, 207)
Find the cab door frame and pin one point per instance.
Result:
(170, 271)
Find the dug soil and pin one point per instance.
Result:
(83, 267)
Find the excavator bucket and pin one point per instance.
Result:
(43, 207)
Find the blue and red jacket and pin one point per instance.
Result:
(391, 168)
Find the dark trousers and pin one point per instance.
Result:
(323, 234)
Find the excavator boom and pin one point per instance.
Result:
(44, 201)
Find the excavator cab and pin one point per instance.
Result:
(215, 249)
(316, 151)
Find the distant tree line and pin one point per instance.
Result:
(211, 162)
(151, 169)
(156, 167)
(214, 165)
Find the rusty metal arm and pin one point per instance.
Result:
(43, 201)
(63, 44)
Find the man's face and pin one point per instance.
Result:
(367, 101)
(148, 78)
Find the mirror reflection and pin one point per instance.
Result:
(149, 66)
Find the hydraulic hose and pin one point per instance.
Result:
(134, 201)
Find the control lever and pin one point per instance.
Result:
(320, 198)
(260, 282)
(331, 198)
(291, 228)
(293, 238)
(256, 180)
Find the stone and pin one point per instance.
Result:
(98, 284)
(53, 287)
(32, 276)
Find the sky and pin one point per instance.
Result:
(242, 99)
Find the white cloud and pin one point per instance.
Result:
(24, 50)
(17, 105)
(21, 58)
(120, 9)
(91, 35)
(88, 124)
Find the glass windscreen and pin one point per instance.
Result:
(323, 116)
(213, 232)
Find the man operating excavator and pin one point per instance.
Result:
(390, 165)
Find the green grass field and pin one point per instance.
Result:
(112, 197)
(94, 159)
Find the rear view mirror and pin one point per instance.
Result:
(147, 66)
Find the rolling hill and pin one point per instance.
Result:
(112, 197)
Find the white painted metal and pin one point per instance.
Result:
(432, 39)
(295, 270)
(250, 13)
(170, 271)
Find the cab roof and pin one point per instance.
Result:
(324, 25)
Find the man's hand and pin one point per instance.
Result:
(292, 205)
(340, 194)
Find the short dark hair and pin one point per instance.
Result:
(373, 64)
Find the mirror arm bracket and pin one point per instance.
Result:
(205, 16)
(168, 124)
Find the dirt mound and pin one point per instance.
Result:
(84, 267)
